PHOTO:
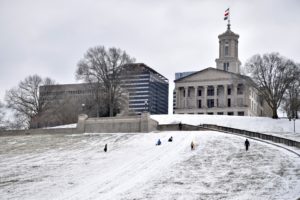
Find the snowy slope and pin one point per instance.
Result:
(75, 167)
(280, 127)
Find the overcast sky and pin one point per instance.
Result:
(49, 37)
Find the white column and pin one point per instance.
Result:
(234, 95)
(215, 95)
(185, 98)
(196, 95)
(177, 97)
(225, 95)
(205, 96)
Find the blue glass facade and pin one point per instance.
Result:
(148, 90)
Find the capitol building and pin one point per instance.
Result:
(221, 90)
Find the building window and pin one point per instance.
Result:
(199, 103)
(226, 49)
(230, 113)
(184, 93)
(200, 113)
(220, 113)
(228, 91)
(210, 113)
(189, 92)
(228, 102)
(240, 102)
(226, 66)
(199, 93)
(210, 103)
(240, 89)
(241, 113)
(210, 91)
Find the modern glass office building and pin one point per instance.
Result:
(148, 90)
(144, 89)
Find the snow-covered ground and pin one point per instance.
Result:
(279, 127)
(75, 167)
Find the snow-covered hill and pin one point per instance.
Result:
(75, 167)
(259, 124)
(280, 127)
(67, 167)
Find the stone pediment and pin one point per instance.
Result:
(208, 74)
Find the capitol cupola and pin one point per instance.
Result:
(228, 51)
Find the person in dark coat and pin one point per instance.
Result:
(180, 126)
(247, 144)
(192, 146)
(170, 139)
(158, 142)
(105, 148)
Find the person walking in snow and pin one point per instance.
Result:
(247, 144)
(192, 145)
(105, 148)
(170, 139)
(158, 142)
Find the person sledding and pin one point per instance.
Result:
(192, 145)
(170, 139)
(158, 142)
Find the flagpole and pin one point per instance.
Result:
(227, 17)
(228, 25)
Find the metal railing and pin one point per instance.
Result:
(262, 136)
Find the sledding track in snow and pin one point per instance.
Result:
(75, 167)
(135, 170)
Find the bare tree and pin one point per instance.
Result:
(291, 99)
(102, 68)
(2, 113)
(273, 75)
(24, 99)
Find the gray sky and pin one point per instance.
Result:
(49, 37)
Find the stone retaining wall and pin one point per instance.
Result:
(175, 127)
(141, 123)
(126, 124)
(39, 131)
